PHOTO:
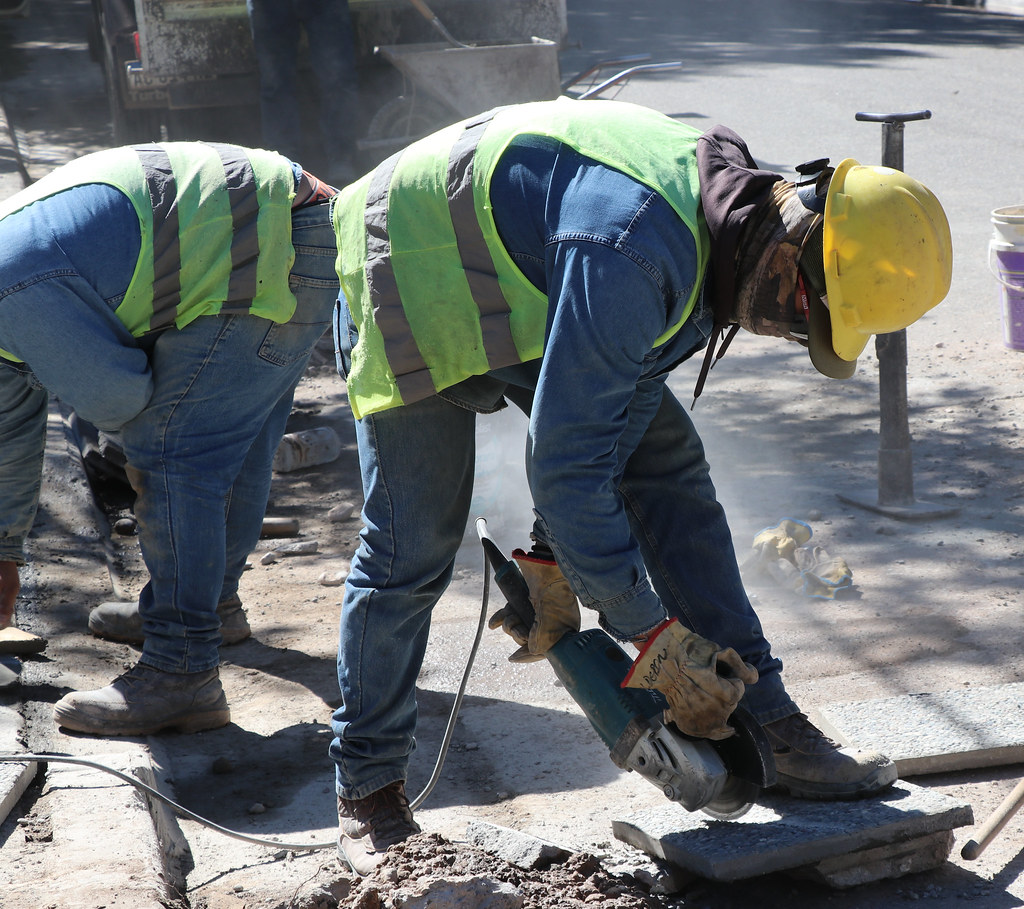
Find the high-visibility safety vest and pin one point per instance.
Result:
(434, 295)
(215, 222)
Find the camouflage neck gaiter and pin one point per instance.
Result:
(766, 265)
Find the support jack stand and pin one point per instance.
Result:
(895, 497)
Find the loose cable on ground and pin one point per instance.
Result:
(33, 758)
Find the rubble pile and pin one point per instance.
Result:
(428, 870)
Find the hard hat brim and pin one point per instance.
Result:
(819, 342)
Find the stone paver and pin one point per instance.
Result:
(936, 732)
(782, 833)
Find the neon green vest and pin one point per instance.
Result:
(216, 229)
(434, 295)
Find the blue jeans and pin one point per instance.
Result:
(275, 26)
(417, 465)
(199, 455)
(199, 411)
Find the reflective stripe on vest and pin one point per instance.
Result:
(411, 373)
(245, 245)
(477, 262)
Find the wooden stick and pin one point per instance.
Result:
(996, 821)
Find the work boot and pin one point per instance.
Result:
(145, 700)
(809, 765)
(368, 826)
(122, 622)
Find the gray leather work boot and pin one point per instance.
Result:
(366, 827)
(122, 622)
(145, 700)
(810, 765)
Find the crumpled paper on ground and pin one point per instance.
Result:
(783, 553)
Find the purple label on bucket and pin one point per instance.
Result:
(1011, 265)
(1009, 260)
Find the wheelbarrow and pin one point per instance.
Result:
(448, 81)
(445, 83)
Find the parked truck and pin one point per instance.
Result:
(166, 59)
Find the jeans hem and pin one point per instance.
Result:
(361, 792)
(176, 668)
(770, 714)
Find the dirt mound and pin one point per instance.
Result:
(429, 870)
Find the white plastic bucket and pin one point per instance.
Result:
(1006, 262)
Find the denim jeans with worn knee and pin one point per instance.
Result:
(412, 531)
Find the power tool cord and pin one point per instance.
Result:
(27, 758)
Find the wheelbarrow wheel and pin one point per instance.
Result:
(407, 118)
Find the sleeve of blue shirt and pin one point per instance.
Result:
(618, 266)
(65, 263)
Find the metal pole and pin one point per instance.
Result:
(895, 461)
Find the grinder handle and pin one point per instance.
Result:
(507, 576)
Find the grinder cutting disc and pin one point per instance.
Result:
(747, 756)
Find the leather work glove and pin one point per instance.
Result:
(556, 611)
(702, 682)
(784, 554)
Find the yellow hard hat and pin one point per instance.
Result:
(888, 254)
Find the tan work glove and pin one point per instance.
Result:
(556, 611)
(782, 540)
(702, 682)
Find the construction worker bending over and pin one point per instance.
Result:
(170, 294)
(567, 255)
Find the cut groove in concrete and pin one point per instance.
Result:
(935, 733)
(782, 833)
(103, 850)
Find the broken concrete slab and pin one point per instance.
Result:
(515, 847)
(935, 732)
(782, 833)
(14, 777)
(10, 672)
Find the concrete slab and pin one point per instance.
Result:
(782, 833)
(89, 842)
(935, 733)
(14, 778)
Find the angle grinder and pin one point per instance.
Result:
(721, 778)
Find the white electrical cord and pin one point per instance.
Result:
(26, 758)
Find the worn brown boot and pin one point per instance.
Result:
(809, 765)
(144, 700)
(366, 827)
(121, 622)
